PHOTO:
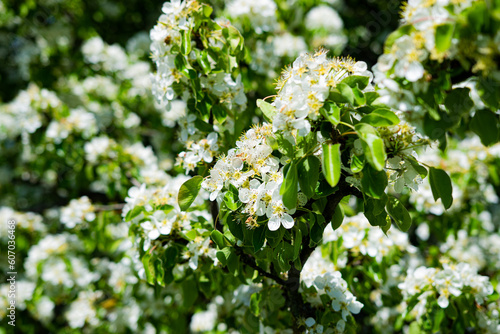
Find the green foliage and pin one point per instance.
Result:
(485, 125)
(373, 145)
(331, 163)
(289, 187)
(441, 186)
(192, 255)
(308, 174)
(188, 192)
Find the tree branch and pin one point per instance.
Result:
(298, 307)
(249, 260)
(110, 207)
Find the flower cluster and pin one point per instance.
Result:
(433, 33)
(315, 266)
(468, 164)
(257, 175)
(151, 199)
(63, 281)
(203, 150)
(30, 221)
(480, 252)
(401, 141)
(83, 309)
(24, 292)
(166, 37)
(449, 282)
(174, 83)
(304, 87)
(261, 14)
(408, 52)
(327, 25)
(24, 113)
(110, 58)
(489, 319)
(155, 211)
(359, 237)
(78, 211)
(78, 121)
(50, 261)
(342, 300)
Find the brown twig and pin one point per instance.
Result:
(110, 207)
(298, 307)
(249, 260)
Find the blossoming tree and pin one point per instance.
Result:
(341, 199)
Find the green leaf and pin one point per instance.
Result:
(235, 227)
(218, 238)
(189, 292)
(231, 198)
(399, 213)
(451, 311)
(381, 117)
(191, 235)
(317, 228)
(331, 163)
(331, 112)
(356, 80)
(137, 210)
(203, 126)
(308, 173)
(336, 96)
(160, 272)
(284, 253)
(207, 10)
(223, 255)
(374, 182)
(371, 97)
(374, 210)
(185, 42)
(346, 92)
(485, 125)
(359, 97)
(441, 186)
(233, 262)
(387, 226)
(284, 146)
(357, 163)
(419, 168)
(181, 64)
(444, 35)
(258, 237)
(289, 187)
(414, 328)
(202, 59)
(170, 257)
(149, 268)
(438, 319)
(234, 38)
(219, 112)
(255, 299)
(274, 237)
(373, 145)
(338, 217)
(188, 192)
(488, 91)
(268, 109)
(306, 144)
(458, 101)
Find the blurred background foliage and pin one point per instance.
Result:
(40, 40)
